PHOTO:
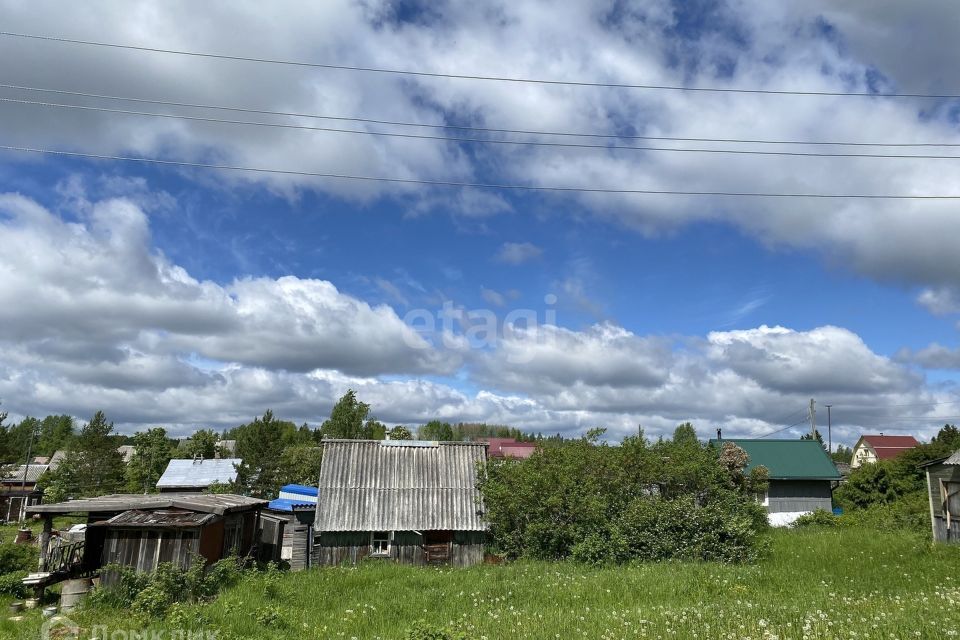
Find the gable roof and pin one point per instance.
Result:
(399, 485)
(888, 446)
(15, 475)
(193, 474)
(787, 459)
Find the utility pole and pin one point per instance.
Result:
(829, 430)
(23, 481)
(813, 420)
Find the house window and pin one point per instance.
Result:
(380, 543)
(763, 497)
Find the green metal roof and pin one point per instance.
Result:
(788, 459)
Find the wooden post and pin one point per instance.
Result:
(45, 540)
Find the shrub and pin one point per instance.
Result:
(11, 584)
(18, 557)
(423, 631)
(672, 499)
(819, 518)
(154, 594)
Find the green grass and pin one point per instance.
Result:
(813, 584)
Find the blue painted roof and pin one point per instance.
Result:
(299, 489)
(283, 504)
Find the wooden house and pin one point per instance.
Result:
(287, 523)
(943, 487)
(410, 501)
(197, 475)
(142, 531)
(802, 475)
(19, 490)
(872, 448)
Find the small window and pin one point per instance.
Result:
(763, 497)
(380, 543)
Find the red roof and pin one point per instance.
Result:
(890, 446)
(508, 448)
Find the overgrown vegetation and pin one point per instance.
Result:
(814, 584)
(586, 500)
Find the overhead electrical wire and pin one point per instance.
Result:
(473, 185)
(400, 123)
(460, 76)
(767, 435)
(533, 143)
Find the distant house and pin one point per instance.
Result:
(142, 531)
(18, 490)
(127, 451)
(227, 448)
(508, 448)
(943, 487)
(410, 501)
(287, 524)
(801, 475)
(197, 475)
(871, 448)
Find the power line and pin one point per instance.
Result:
(474, 185)
(400, 123)
(798, 422)
(457, 76)
(533, 143)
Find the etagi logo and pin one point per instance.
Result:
(59, 628)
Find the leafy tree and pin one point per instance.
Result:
(6, 451)
(594, 502)
(400, 432)
(203, 443)
(685, 433)
(22, 439)
(56, 432)
(474, 430)
(92, 466)
(260, 445)
(948, 436)
(151, 455)
(842, 454)
(347, 418)
(300, 465)
(435, 430)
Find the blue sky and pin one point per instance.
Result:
(247, 292)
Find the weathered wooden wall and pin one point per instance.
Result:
(144, 549)
(949, 474)
(297, 539)
(336, 548)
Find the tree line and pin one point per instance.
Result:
(273, 451)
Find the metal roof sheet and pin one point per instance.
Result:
(286, 504)
(219, 503)
(198, 473)
(34, 471)
(788, 459)
(160, 519)
(366, 485)
(299, 489)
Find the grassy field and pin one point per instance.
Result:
(813, 584)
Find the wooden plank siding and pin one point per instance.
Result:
(350, 547)
(939, 477)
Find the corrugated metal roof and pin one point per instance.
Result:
(954, 459)
(140, 519)
(788, 459)
(285, 504)
(298, 489)
(366, 485)
(219, 503)
(34, 471)
(888, 447)
(181, 474)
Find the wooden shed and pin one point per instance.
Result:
(287, 524)
(943, 487)
(410, 501)
(142, 531)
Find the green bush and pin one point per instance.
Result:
(18, 557)
(819, 518)
(11, 584)
(671, 499)
(420, 630)
(909, 513)
(154, 594)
